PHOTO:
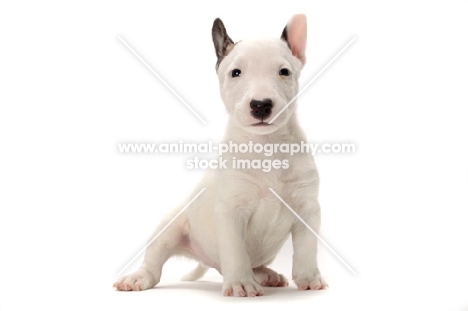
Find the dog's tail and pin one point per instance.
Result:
(196, 273)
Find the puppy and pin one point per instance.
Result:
(238, 225)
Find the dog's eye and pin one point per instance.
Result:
(284, 72)
(236, 73)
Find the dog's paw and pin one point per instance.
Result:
(242, 289)
(268, 277)
(313, 283)
(137, 281)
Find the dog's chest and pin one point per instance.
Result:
(270, 216)
(268, 228)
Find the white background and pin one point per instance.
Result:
(74, 211)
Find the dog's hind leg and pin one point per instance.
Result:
(268, 277)
(168, 243)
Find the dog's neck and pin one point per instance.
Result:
(291, 132)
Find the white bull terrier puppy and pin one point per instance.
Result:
(237, 225)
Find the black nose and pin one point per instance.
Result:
(261, 109)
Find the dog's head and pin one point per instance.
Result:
(259, 78)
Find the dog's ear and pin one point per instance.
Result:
(295, 34)
(223, 44)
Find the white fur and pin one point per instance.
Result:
(237, 225)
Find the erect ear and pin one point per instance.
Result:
(295, 34)
(223, 44)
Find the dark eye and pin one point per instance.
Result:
(236, 73)
(284, 72)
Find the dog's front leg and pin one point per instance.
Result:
(231, 221)
(306, 274)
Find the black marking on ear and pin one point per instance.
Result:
(284, 36)
(223, 44)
